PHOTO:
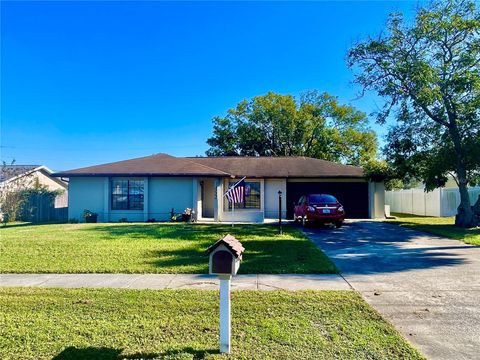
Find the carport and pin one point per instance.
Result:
(353, 194)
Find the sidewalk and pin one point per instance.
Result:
(177, 281)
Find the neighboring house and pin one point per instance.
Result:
(38, 207)
(150, 187)
(30, 174)
(451, 183)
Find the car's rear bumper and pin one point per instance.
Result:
(325, 217)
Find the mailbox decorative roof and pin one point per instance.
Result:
(231, 243)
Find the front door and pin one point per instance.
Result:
(207, 188)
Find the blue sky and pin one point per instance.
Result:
(91, 82)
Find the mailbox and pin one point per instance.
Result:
(225, 256)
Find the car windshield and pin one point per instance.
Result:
(321, 199)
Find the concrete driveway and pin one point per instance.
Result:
(428, 287)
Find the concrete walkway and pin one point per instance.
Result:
(425, 285)
(176, 281)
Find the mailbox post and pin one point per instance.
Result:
(225, 314)
(225, 256)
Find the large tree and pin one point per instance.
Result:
(429, 73)
(314, 125)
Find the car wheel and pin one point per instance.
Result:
(338, 224)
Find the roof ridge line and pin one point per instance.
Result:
(205, 166)
(249, 157)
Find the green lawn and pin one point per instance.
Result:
(152, 248)
(112, 324)
(439, 226)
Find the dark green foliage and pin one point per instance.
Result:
(315, 125)
(429, 74)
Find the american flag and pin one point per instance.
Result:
(236, 192)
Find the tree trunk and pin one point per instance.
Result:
(465, 217)
(476, 209)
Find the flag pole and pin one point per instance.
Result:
(233, 202)
(239, 181)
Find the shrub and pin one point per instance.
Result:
(89, 216)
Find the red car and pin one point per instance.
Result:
(321, 208)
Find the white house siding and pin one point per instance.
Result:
(376, 193)
(87, 193)
(272, 186)
(51, 183)
(166, 193)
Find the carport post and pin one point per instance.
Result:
(280, 231)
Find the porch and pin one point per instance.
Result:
(213, 206)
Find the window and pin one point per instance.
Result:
(251, 196)
(127, 194)
(320, 199)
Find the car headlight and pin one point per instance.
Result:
(340, 208)
(310, 209)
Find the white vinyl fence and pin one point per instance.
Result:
(440, 202)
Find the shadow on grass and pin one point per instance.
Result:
(444, 227)
(186, 353)
(444, 230)
(24, 224)
(260, 257)
(104, 353)
(182, 231)
(266, 251)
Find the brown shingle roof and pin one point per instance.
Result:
(155, 165)
(289, 166)
(10, 171)
(252, 167)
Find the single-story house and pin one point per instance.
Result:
(28, 175)
(21, 177)
(150, 187)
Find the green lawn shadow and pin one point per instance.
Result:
(104, 353)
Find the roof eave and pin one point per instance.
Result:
(303, 177)
(68, 175)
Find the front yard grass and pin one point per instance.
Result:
(443, 226)
(152, 248)
(113, 324)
